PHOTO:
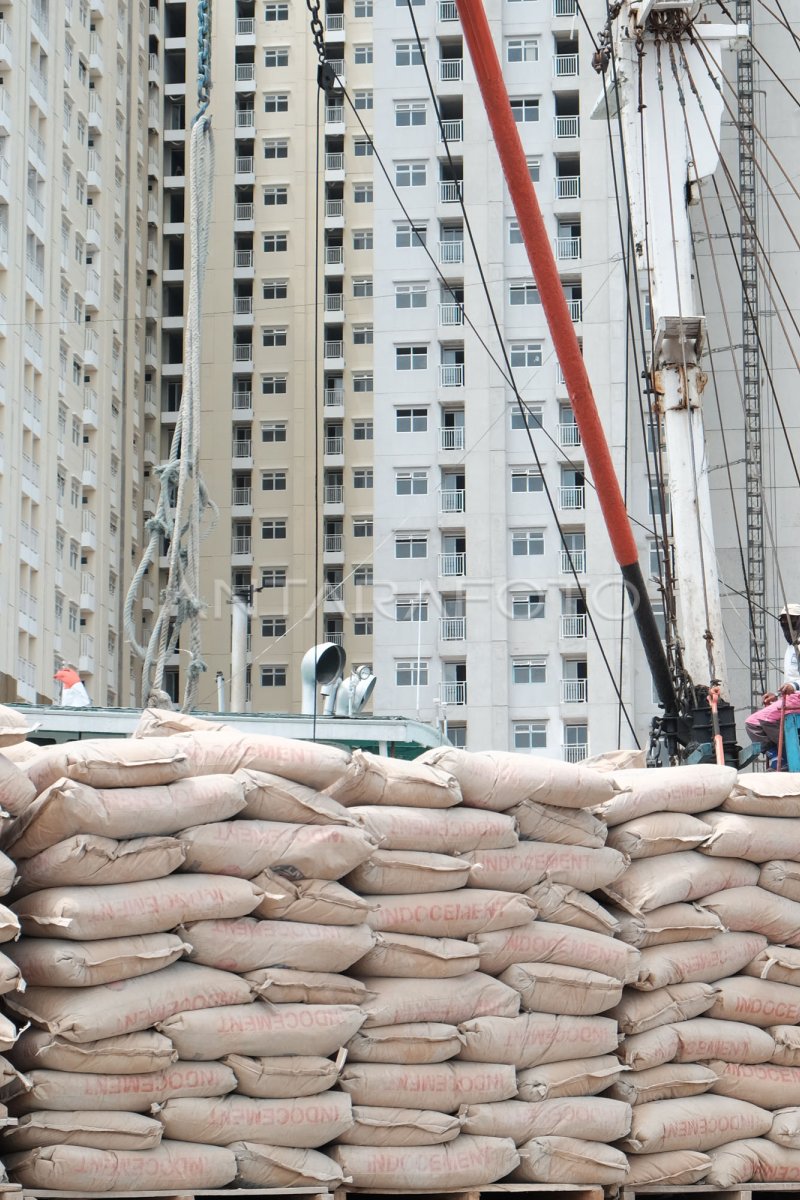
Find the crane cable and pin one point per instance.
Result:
(183, 498)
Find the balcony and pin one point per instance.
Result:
(565, 66)
(242, 546)
(568, 249)
(448, 10)
(334, 256)
(574, 691)
(334, 163)
(334, 350)
(453, 693)
(333, 593)
(453, 629)
(36, 208)
(451, 437)
(242, 448)
(451, 252)
(451, 314)
(34, 345)
(95, 53)
(334, 23)
(6, 44)
(242, 497)
(451, 70)
(334, 302)
(333, 494)
(334, 209)
(245, 27)
(572, 625)
(567, 127)
(571, 498)
(244, 212)
(88, 592)
(334, 445)
(451, 501)
(244, 260)
(565, 8)
(31, 476)
(242, 352)
(451, 375)
(242, 400)
(92, 296)
(29, 544)
(575, 309)
(578, 562)
(153, 69)
(574, 752)
(569, 434)
(337, 639)
(333, 398)
(567, 187)
(86, 659)
(450, 191)
(337, 66)
(244, 165)
(451, 131)
(334, 114)
(333, 543)
(245, 121)
(242, 307)
(89, 472)
(245, 73)
(453, 565)
(32, 412)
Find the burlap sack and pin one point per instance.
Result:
(262, 1030)
(672, 1168)
(734, 1163)
(9, 924)
(50, 962)
(313, 901)
(694, 1123)
(128, 1054)
(248, 944)
(88, 1013)
(759, 1002)
(641, 791)
(659, 833)
(128, 909)
(757, 839)
(672, 1081)
(14, 727)
(283, 1167)
(672, 923)
(65, 1091)
(571, 991)
(787, 1045)
(536, 1038)
(246, 848)
(441, 831)
(569, 1160)
(169, 1167)
(765, 1084)
(110, 763)
(8, 1034)
(10, 976)
(21, 753)
(639, 1011)
(404, 872)
(305, 1123)
(681, 877)
(578, 1077)
(786, 1128)
(447, 1084)
(752, 908)
(781, 963)
(697, 962)
(568, 826)
(16, 790)
(616, 760)
(371, 779)
(781, 877)
(563, 905)
(415, 1043)
(523, 866)
(703, 1038)
(8, 873)
(547, 942)
(400, 1127)
(12, 1082)
(86, 859)
(765, 795)
(285, 1076)
(279, 985)
(99, 1130)
(498, 780)
(641, 1051)
(594, 1118)
(452, 915)
(271, 798)
(404, 956)
(465, 1162)
(400, 1001)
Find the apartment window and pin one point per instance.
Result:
(274, 336)
(410, 235)
(526, 354)
(60, 543)
(273, 627)
(75, 493)
(525, 109)
(362, 147)
(276, 12)
(411, 358)
(411, 673)
(362, 477)
(362, 239)
(527, 479)
(411, 420)
(522, 50)
(77, 371)
(362, 100)
(362, 288)
(407, 54)
(529, 417)
(362, 431)
(275, 148)
(77, 430)
(411, 483)
(273, 481)
(363, 54)
(273, 431)
(273, 385)
(514, 233)
(363, 382)
(527, 606)
(362, 527)
(410, 112)
(275, 243)
(72, 619)
(362, 624)
(362, 575)
(523, 293)
(58, 609)
(534, 168)
(273, 531)
(276, 102)
(274, 289)
(273, 577)
(413, 174)
(530, 735)
(411, 545)
(527, 542)
(413, 3)
(529, 670)
(411, 608)
(362, 193)
(411, 295)
(273, 676)
(274, 196)
(276, 56)
(658, 499)
(73, 556)
(362, 335)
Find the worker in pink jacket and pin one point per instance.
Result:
(764, 726)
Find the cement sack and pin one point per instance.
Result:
(314, 901)
(757, 839)
(535, 1038)
(283, 1167)
(248, 944)
(776, 794)
(467, 1162)
(128, 909)
(371, 779)
(672, 923)
(694, 1123)
(404, 956)
(578, 1077)
(757, 1161)
(67, 808)
(659, 833)
(89, 860)
(285, 1076)
(697, 962)
(64, 1091)
(639, 1011)
(780, 963)
(642, 1051)
(21, 753)
(86, 1014)
(166, 722)
(14, 727)
(766, 1084)
(445, 1085)
(759, 1002)
(278, 985)
(785, 1129)
(752, 908)
(498, 780)
(246, 848)
(12, 1082)
(616, 760)
(170, 1167)
(675, 1168)
(704, 1038)
(787, 1045)
(311, 763)
(127, 1054)
(414, 1043)
(8, 1034)
(449, 1001)
(10, 976)
(9, 925)
(595, 1118)
(49, 962)
(440, 831)
(563, 905)
(571, 991)
(781, 877)
(403, 872)
(262, 1030)
(271, 798)
(454, 914)
(400, 1127)
(110, 763)
(304, 1123)
(8, 874)
(681, 877)
(547, 942)
(527, 864)
(16, 790)
(97, 1130)
(570, 1160)
(567, 826)
(672, 1081)
(641, 791)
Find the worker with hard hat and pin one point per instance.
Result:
(764, 726)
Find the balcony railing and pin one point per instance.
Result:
(334, 349)
(452, 501)
(578, 558)
(242, 399)
(334, 302)
(337, 66)
(448, 10)
(334, 22)
(244, 212)
(334, 445)
(568, 248)
(568, 187)
(244, 164)
(242, 305)
(334, 114)
(451, 69)
(450, 191)
(244, 258)
(245, 118)
(336, 639)
(564, 8)
(451, 252)
(333, 543)
(575, 309)
(242, 448)
(453, 564)
(245, 72)
(451, 131)
(565, 65)
(334, 592)
(245, 26)
(241, 497)
(242, 545)
(334, 162)
(451, 314)
(573, 691)
(567, 127)
(572, 497)
(334, 208)
(334, 256)
(451, 437)
(333, 493)
(575, 752)
(573, 625)
(333, 397)
(453, 629)
(451, 375)
(453, 693)
(569, 434)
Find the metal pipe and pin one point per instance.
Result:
(220, 692)
(238, 654)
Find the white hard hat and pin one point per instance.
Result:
(790, 610)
